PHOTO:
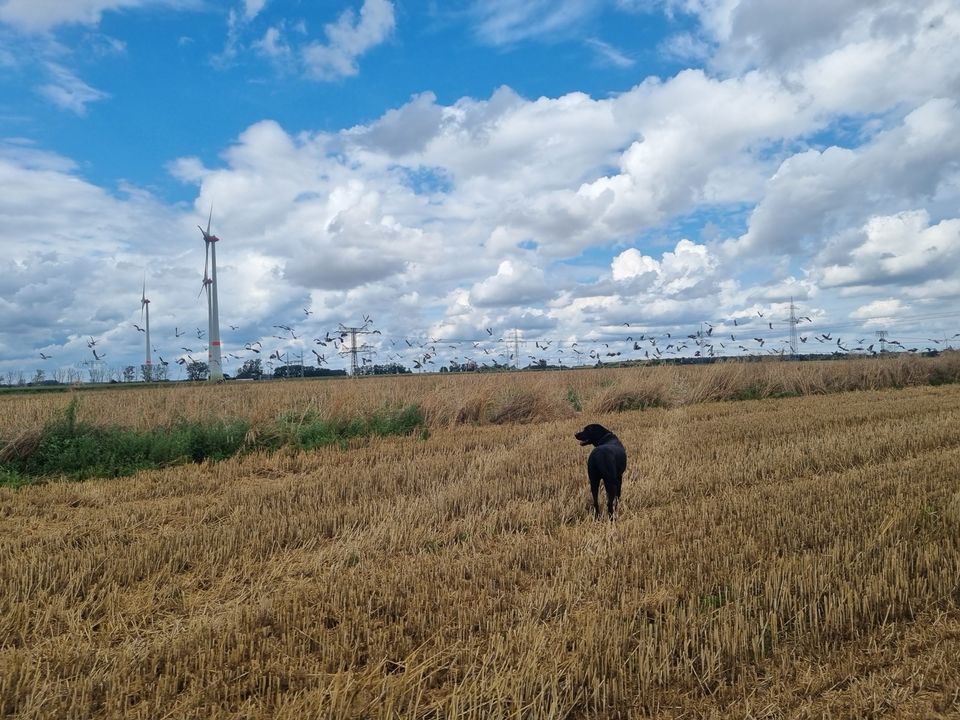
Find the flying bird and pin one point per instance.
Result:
(45, 357)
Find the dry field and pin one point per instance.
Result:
(779, 558)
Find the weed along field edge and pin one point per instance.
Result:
(116, 432)
(796, 556)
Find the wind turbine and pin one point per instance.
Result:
(214, 362)
(145, 309)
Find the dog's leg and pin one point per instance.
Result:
(594, 491)
(612, 488)
(617, 486)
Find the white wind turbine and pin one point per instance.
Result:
(213, 311)
(145, 313)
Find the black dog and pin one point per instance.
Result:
(607, 462)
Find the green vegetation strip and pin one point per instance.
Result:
(76, 450)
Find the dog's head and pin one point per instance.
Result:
(591, 434)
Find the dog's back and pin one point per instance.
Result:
(609, 458)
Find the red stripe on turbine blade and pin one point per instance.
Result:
(216, 342)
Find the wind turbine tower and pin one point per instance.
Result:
(214, 361)
(145, 314)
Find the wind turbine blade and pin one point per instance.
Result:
(205, 285)
(209, 219)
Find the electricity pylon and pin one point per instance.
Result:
(353, 349)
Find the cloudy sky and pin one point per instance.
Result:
(458, 170)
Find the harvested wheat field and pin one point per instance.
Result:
(795, 557)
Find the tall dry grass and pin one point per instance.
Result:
(451, 399)
(786, 558)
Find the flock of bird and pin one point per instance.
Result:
(703, 343)
(735, 337)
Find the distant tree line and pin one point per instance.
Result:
(253, 370)
(388, 369)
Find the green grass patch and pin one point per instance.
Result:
(756, 392)
(942, 376)
(310, 431)
(627, 400)
(13, 479)
(715, 600)
(76, 450)
(81, 450)
(636, 402)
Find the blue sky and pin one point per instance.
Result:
(176, 84)
(559, 167)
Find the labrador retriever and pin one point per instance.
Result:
(607, 462)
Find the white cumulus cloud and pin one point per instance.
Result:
(515, 283)
(900, 249)
(349, 38)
